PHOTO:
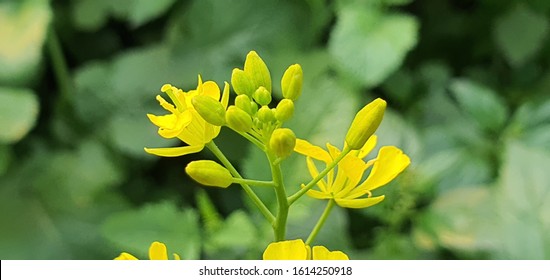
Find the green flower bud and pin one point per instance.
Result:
(243, 102)
(291, 83)
(255, 67)
(254, 106)
(242, 83)
(238, 119)
(210, 109)
(282, 142)
(262, 96)
(209, 173)
(265, 115)
(365, 123)
(285, 110)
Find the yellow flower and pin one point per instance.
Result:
(157, 251)
(184, 122)
(298, 250)
(342, 184)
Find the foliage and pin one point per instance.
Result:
(467, 87)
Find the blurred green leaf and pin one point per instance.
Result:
(482, 104)
(369, 45)
(235, 237)
(460, 220)
(18, 113)
(523, 203)
(133, 231)
(90, 15)
(142, 11)
(520, 34)
(5, 158)
(25, 23)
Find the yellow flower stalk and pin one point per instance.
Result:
(157, 251)
(343, 184)
(184, 122)
(298, 250)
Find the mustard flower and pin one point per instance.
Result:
(298, 250)
(184, 122)
(342, 183)
(157, 251)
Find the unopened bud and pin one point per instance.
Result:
(209, 173)
(243, 102)
(242, 83)
(282, 142)
(291, 83)
(262, 96)
(285, 110)
(256, 69)
(211, 110)
(265, 115)
(365, 123)
(238, 119)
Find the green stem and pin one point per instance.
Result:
(257, 201)
(60, 68)
(321, 222)
(321, 175)
(254, 182)
(279, 227)
(252, 139)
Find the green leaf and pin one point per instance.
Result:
(25, 23)
(133, 231)
(90, 15)
(143, 11)
(5, 158)
(481, 103)
(236, 236)
(458, 220)
(369, 45)
(523, 204)
(520, 34)
(18, 113)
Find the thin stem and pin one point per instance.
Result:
(321, 175)
(320, 222)
(252, 139)
(254, 182)
(279, 227)
(257, 201)
(60, 68)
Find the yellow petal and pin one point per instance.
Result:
(390, 162)
(125, 257)
(176, 257)
(211, 89)
(314, 172)
(319, 195)
(359, 202)
(158, 251)
(305, 148)
(174, 152)
(286, 250)
(353, 167)
(225, 95)
(367, 148)
(322, 253)
(333, 151)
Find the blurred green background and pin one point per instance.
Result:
(468, 88)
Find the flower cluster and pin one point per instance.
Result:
(196, 117)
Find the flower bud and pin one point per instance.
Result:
(265, 115)
(243, 103)
(254, 106)
(285, 110)
(211, 110)
(291, 83)
(209, 173)
(256, 69)
(242, 83)
(282, 142)
(238, 119)
(365, 123)
(262, 96)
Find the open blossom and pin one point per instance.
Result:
(157, 251)
(298, 250)
(184, 122)
(343, 184)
